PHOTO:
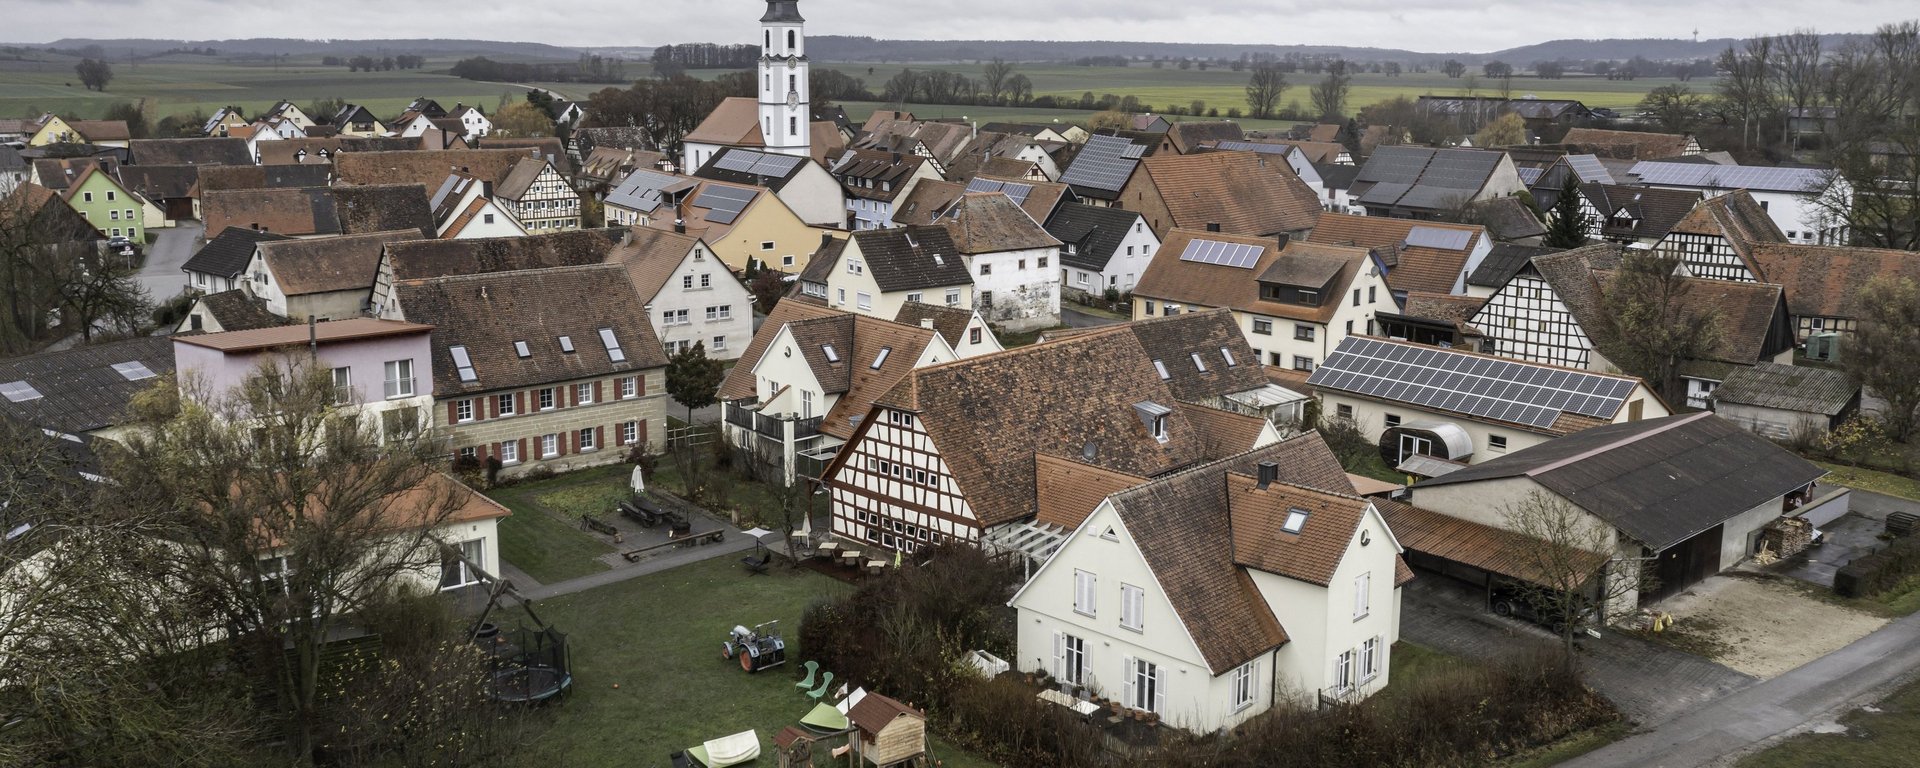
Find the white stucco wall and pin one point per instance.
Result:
(1022, 298)
(722, 289)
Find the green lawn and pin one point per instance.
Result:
(1888, 737)
(1871, 480)
(648, 675)
(543, 536)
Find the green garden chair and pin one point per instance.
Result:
(825, 682)
(813, 667)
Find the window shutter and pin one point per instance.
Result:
(1060, 655)
(619, 436)
(521, 449)
(1126, 681)
(643, 428)
(560, 442)
(453, 411)
(480, 452)
(599, 433)
(641, 386)
(596, 392)
(519, 402)
(1159, 703)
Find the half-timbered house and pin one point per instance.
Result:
(1716, 238)
(539, 196)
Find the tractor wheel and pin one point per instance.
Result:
(746, 662)
(726, 650)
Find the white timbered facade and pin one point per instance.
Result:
(1526, 320)
(892, 490)
(1706, 255)
(547, 204)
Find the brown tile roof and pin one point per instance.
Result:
(734, 122)
(1464, 541)
(328, 264)
(211, 151)
(944, 140)
(929, 199)
(650, 256)
(352, 329)
(421, 259)
(225, 177)
(910, 258)
(1419, 268)
(1442, 306)
(1507, 218)
(1182, 525)
(159, 182)
(1735, 216)
(1169, 278)
(1825, 280)
(990, 222)
(422, 166)
(1656, 211)
(1634, 144)
(740, 382)
(608, 163)
(1311, 555)
(59, 173)
(488, 313)
(1067, 491)
(858, 340)
(1187, 137)
(1242, 192)
(547, 148)
(54, 223)
(520, 178)
(1317, 152)
(991, 414)
(1752, 325)
(950, 322)
(321, 210)
(889, 172)
(1210, 334)
(827, 143)
(1328, 133)
(1230, 433)
(96, 131)
(237, 310)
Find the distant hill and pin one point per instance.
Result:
(265, 46)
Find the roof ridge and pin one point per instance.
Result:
(1514, 360)
(1628, 439)
(1309, 488)
(1204, 466)
(514, 273)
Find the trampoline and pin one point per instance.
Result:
(527, 664)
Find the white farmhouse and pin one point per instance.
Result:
(1011, 259)
(1210, 595)
(691, 297)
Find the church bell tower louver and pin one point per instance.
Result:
(785, 105)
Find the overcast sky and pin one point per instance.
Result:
(1422, 25)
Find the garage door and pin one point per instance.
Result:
(1685, 564)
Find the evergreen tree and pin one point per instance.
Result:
(1568, 228)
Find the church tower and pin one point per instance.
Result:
(785, 106)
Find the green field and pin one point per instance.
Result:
(1223, 88)
(180, 84)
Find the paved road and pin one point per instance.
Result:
(1075, 319)
(1708, 734)
(1649, 683)
(161, 275)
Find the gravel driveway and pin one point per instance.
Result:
(1765, 625)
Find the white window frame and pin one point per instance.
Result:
(399, 381)
(1362, 595)
(1245, 686)
(1133, 607)
(585, 440)
(1370, 659)
(463, 410)
(1343, 671)
(510, 452)
(629, 387)
(583, 393)
(473, 549)
(504, 405)
(549, 445)
(630, 432)
(1086, 597)
(1070, 658)
(546, 399)
(1144, 684)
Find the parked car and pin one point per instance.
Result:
(1512, 601)
(120, 245)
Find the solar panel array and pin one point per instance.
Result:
(1485, 387)
(133, 370)
(1017, 191)
(1225, 254)
(1104, 163)
(1436, 237)
(724, 204)
(18, 391)
(1728, 176)
(1529, 175)
(757, 163)
(641, 190)
(1253, 146)
(1589, 169)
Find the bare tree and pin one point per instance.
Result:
(41, 244)
(102, 293)
(1330, 94)
(1567, 554)
(1883, 351)
(994, 79)
(1654, 323)
(287, 513)
(1264, 89)
(1675, 108)
(1796, 75)
(1743, 85)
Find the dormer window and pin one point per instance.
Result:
(1154, 416)
(1296, 520)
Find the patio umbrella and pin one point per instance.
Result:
(757, 532)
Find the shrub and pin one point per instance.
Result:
(1879, 572)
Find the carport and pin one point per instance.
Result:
(1466, 551)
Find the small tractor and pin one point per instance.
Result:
(758, 648)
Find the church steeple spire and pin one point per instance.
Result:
(784, 98)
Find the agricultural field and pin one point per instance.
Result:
(181, 84)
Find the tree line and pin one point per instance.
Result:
(589, 69)
(671, 60)
(365, 63)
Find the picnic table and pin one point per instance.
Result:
(876, 566)
(829, 550)
(1083, 707)
(851, 557)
